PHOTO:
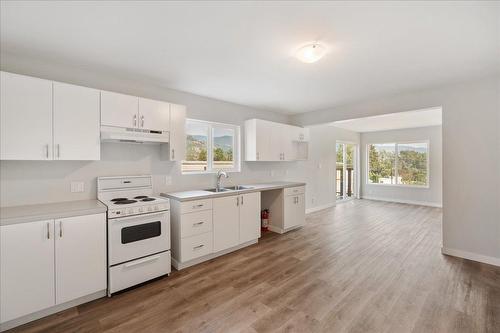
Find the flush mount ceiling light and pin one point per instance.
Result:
(311, 52)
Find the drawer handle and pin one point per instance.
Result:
(197, 224)
(198, 206)
(198, 247)
(142, 261)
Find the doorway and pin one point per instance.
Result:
(346, 169)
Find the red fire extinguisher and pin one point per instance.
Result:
(264, 218)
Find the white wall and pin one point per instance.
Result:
(432, 195)
(319, 170)
(471, 158)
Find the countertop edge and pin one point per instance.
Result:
(258, 188)
(56, 214)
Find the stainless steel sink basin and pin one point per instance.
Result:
(239, 187)
(224, 189)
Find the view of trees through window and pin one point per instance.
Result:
(209, 146)
(398, 163)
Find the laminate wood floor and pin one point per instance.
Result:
(363, 266)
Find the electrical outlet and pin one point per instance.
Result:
(168, 180)
(77, 187)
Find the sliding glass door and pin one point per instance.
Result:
(346, 168)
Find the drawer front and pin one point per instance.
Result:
(195, 206)
(196, 223)
(196, 246)
(295, 190)
(137, 271)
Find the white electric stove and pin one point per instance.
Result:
(138, 231)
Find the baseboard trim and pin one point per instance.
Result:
(54, 309)
(410, 202)
(471, 256)
(318, 208)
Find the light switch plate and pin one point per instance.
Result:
(77, 187)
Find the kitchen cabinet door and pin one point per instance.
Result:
(226, 215)
(265, 149)
(294, 211)
(154, 115)
(25, 118)
(119, 110)
(249, 217)
(76, 123)
(177, 146)
(26, 268)
(80, 252)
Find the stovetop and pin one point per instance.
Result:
(135, 205)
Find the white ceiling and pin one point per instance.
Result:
(242, 52)
(391, 121)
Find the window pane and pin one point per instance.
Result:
(340, 170)
(382, 158)
(196, 147)
(223, 148)
(412, 163)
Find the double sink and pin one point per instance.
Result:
(230, 188)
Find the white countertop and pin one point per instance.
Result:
(202, 194)
(56, 210)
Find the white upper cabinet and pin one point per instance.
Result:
(26, 268)
(119, 110)
(177, 146)
(76, 123)
(154, 115)
(80, 256)
(270, 141)
(26, 118)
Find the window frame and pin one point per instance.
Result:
(396, 151)
(236, 147)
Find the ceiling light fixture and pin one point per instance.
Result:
(311, 52)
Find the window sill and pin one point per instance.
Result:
(208, 172)
(400, 185)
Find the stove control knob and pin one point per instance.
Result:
(156, 207)
(141, 209)
(130, 211)
(150, 209)
(117, 212)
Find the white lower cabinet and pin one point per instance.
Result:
(80, 256)
(26, 268)
(46, 263)
(226, 216)
(249, 217)
(294, 211)
(201, 229)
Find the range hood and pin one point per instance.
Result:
(134, 135)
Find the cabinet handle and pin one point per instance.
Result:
(60, 229)
(197, 206)
(173, 153)
(142, 121)
(242, 200)
(198, 247)
(47, 151)
(237, 201)
(58, 150)
(135, 120)
(198, 224)
(48, 230)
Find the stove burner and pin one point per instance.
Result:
(148, 199)
(124, 202)
(118, 199)
(141, 197)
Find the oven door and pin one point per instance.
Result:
(134, 237)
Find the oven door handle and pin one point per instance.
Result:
(141, 216)
(141, 261)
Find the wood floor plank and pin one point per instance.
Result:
(362, 266)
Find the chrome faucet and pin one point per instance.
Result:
(220, 173)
